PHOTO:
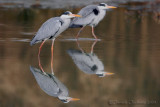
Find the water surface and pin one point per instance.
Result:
(129, 47)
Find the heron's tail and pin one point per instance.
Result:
(33, 70)
(32, 43)
(72, 51)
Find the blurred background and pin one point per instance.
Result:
(129, 47)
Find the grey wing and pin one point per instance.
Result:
(83, 61)
(98, 62)
(48, 29)
(45, 82)
(63, 88)
(88, 14)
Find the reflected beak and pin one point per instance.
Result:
(112, 7)
(75, 15)
(74, 99)
(109, 73)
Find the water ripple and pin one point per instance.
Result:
(79, 39)
(26, 33)
(19, 40)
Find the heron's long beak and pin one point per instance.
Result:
(108, 73)
(74, 99)
(111, 7)
(75, 15)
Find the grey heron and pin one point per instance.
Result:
(51, 30)
(91, 16)
(89, 63)
(51, 85)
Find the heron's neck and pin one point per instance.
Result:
(64, 17)
(66, 20)
(102, 11)
(98, 72)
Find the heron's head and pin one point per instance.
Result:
(103, 74)
(69, 15)
(67, 99)
(104, 6)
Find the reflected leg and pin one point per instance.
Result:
(79, 46)
(39, 56)
(79, 32)
(94, 43)
(93, 33)
(52, 56)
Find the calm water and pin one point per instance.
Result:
(129, 47)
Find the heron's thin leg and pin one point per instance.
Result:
(79, 46)
(39, 56)
(93, 33)
(79, 32)
(94, 43)
(52, 56)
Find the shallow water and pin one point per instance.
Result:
(128, 46)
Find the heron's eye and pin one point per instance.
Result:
(102, 4)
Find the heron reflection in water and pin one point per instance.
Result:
(51, 85)
(89, 63)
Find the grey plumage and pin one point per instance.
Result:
(87, 62)
(91, 16)
(48, 30)
(88, 13)
(49, 83)
(53, 27)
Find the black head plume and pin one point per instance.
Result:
(67, 13)
(102, 4)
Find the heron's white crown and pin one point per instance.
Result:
(103, 6)
(64, 99)
(67, 15)
(101, 73)
(67, 99)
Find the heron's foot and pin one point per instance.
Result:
(52, 73)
